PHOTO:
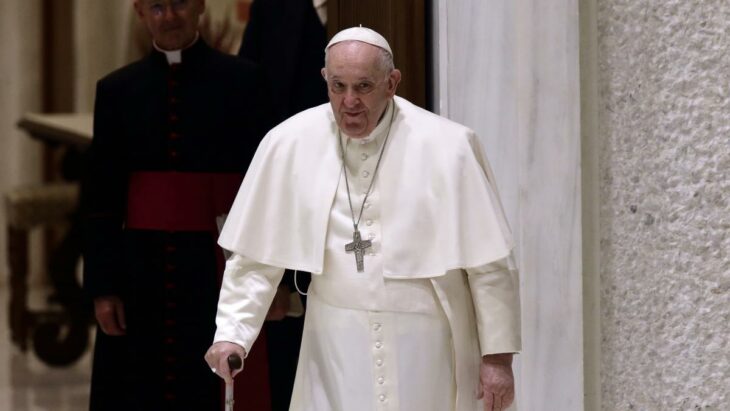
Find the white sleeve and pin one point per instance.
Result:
(246, 293)
(495, 292)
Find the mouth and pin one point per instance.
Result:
(171, 29)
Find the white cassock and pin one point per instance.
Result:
(397, 336)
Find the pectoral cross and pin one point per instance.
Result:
(358, 246)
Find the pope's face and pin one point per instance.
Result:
(359, 87)
(172, 23)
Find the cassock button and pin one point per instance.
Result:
(170, 286)
(173, 100)
(381, 380)
(378, 345)
(371, 236)
(365, 174)
(169, 248)
(364, 156)
(379, 362)
(367, 205)
(376, 327)
(169, 323)
(369, 222)
(173, 118)
(170, 305)
(173, 154)
(170, 360)
(169, 397)
(381, 398)
(172, 83)
(173, 135)
(169, 341)
(169, 268)
(170, 377)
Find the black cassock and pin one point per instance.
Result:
(204, 116)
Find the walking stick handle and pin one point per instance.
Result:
(234, 362)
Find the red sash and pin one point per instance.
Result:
(176, 201)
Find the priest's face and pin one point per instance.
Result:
(172, 23)
(359, 86)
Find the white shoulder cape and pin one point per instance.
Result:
(439, 206)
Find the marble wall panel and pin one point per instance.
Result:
(510, 71)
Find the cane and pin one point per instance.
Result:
(234, 363)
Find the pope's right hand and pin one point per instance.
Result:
(109, 312)
(217, 359)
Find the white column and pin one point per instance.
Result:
(510, 71)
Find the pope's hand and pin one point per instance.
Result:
(497, 383)
(217, 359)
(109, 312)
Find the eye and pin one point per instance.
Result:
(337, 86)
(156, 8)
(365, 87)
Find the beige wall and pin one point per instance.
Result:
(20, 80)
(101, 44)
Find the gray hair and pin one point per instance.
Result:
(385, 61)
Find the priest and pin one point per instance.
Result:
(414, 303)
(173, 135)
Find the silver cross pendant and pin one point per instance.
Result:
(358, 246)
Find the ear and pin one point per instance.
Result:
(393, 81)
(138, 9)
(324, 73)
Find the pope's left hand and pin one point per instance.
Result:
(496, 382)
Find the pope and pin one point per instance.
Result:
(414, 303)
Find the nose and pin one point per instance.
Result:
(350, 99)
(169, 13)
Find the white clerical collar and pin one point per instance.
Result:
(379, 130)
(174, 56)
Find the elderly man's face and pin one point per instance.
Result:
(172, 23)
(358, 86)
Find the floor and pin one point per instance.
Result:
(26, 384)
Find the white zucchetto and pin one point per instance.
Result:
(363, 34)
